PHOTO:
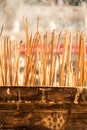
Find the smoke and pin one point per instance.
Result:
(9, 11)
(11, 16)
(62, 17)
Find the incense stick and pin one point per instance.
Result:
(55, 59)
(1, 66)
(5, 61)
(51, 58)
(68, 60)
(17, 57)
(63, 59)
(81, 60)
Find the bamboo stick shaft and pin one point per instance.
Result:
(51, 58)
(63, 60)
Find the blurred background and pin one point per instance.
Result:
(54, 14)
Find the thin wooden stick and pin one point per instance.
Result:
(28, 54)
(26, 32)
(40, 70)
(51, 58)
(1, 31)
(85, 74)
(81, 61)
(1, 63)
(44, 60)
(68, 59)
(37, 42)
(33, 66)
(17, 56)
(77, 44)
(10, 63)
(2, 75)
(38, 24)
(77, 55)
(5, 61)
(63, 60)
(55, 59)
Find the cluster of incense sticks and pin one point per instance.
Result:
(42, 68)
(9, 62)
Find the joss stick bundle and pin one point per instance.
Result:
(44, 58)
(77, 54)
(34, 62)
(81, 60)
(27, 56)
(10, 66)
(85, 69)
(55, 60)
(5, 61)
(68, 59)
(62, 81)
(1, 66)
(41, 67)
(1, 73)
(51, 58)
(37, 41)
(16, 60)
